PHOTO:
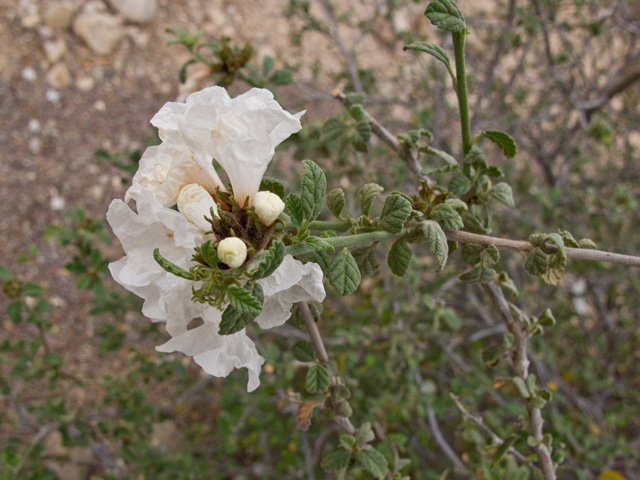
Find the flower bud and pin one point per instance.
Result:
(232, 251)
(194, 202)
(268, 206)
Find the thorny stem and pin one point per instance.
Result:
(321, 351)
(520, 364)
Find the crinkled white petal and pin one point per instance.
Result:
(167, 298)
(240, 133)
(218, 354)
(292, 282)
(165, 169)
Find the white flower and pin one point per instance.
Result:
(241, 134)
(195, 203)
(268, 206)
(232, 251)
(167, 298)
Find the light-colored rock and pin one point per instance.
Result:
(138, 11)
(54, 49)
(166, 436)
(84, 84)
(100, 31)
(58, 76)
(31, 21)
(58, 16)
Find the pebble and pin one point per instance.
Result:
(52, 95)
(29, 74)
(35, 145)
(100, 106)
(57, 203)
(58, 16)
(58, 76)
(54, 49)
(140, 11)
(34, 125)
(100, 31)
(84, 84)
(31, 21)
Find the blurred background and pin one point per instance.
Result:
(84, 395)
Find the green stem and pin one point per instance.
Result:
(337, 226)
(349, 241)
(463, 104)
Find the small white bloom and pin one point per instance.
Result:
(268, 206)
(232, 251)
(195, 203)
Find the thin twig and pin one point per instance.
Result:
(520, 363)
(494, 436)
(458, 464)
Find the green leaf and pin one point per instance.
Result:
(490, 255)
(336, 461)
(365, 434)
(471, 253)
(478, 274)
(335, 201)
(343, 273)
(352, 99)
(243, 300)
(171, 267)
(366, 259)
(447, 217)
(457, 204)
(332, 129)
(32, 290)
(272, 185)
(568, 239)
(347, 441)
(318, 243)
(449, 317)
(303, 351)
(281, 77)
(372, 461)
(587, 243)
(366, 194)
(433, 50)
(558, 259)
(361, 135)
(521, 386)
(503, 193)
(395, 212)
(459, 185)
(476, 158)
(314, 190)
(536, 262)
(436, 242)
(267, 65)
(503, 140)
(399, 257)
(503, 449)
(5, 274)
(318, 379)
(14, 311)
(272, 260)
(209, 254)
(547, 319)
(293, 208)
(233, 320)
(446, 15)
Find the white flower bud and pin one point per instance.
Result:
(232, 251)
(194, 202)
(268, 206)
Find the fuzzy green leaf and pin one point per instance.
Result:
(459, 185)
(272, 260)
(446, 15)
(503, 140)
(447, 217)
(559, 259)
(436, 242)
(475, 158)
(272, 185)
(490, 255)
(365, 434)
(234, 320)
(457, 204)
(399, 257)
(395, 212)
(503, 449)
(243, 300)
(332, 129)
(352, 99)
(361, 135)
(587, 243)
(372, 461)
(314, 190)
(209, 254)
(547, 319)
(267, 65)
(281, 77)
(366, 194)
(337, 461)
(171, 267)
(14, 311)
(503, 193)
(536, 262)
(303, 351)
(318, 379)
(293, 208)
(318, 243)
(5, 274)
(521, 386)
(335, 201)
(471, 253)
(433, 50)
(478, 274)
(343, 273)
(366, 259)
